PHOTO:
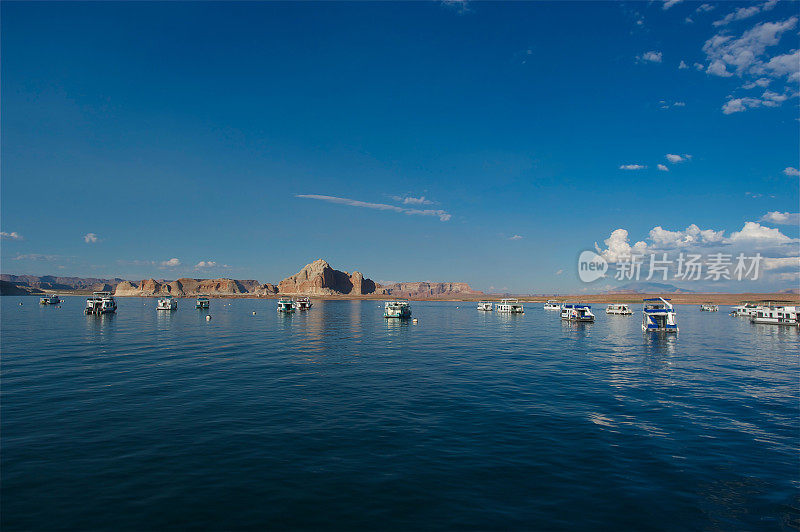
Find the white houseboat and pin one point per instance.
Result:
(577, 312)
(744, 309)
(709, 307)
(202, 302)
(485, 305)
(620, 309)
(100, 303)
(167, 303)
(302, 303)
(658, 314)
(286, 305)
(775, 315)
(51, 299)
(399, 308)
(512, 306)
(552, 304)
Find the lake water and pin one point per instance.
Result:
(339, 419)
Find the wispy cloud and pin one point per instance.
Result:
(10, 236)
(663, 168)
(745, 12)
(669, 3)
(36, 256)
(782, 218)
(90, 238)
(205, 264)
(441, 214)
(411, 200)
(171, 263)
(632, 167)
(515, 237)
(559, 272)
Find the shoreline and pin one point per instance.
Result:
(676, 299)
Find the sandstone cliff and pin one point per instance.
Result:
(318, 278)
(193, 287)
(422, 289)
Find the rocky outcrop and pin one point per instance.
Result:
(423, 289)
(193, 287)
(8, 288)
(318, 278)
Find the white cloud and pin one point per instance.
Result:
(669, 3)
(632, 167)
(704, 8)
(760, 82)
(752, 237)
(754, 232)
(171, 263)
(781, 263)
(673, 158)
(442, 215)
(618, 247)
(10, 236)
(651, 56)
(36, 256)
(739, 14)
(410, 200)
(737, 105)
(516, 237)
(90, 238)
(782, 218)
(745, 54)
(205, 264)
(791, 171)
(559, 272)
(663, 168)
(683, 65)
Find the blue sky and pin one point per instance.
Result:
(482, 142)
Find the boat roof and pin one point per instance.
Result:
(101, 293)
(397, 301)
(509, 300)
(657, 299)
(576, 305)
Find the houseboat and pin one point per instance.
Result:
(302, 303)
(552, 304)
(512, 306)
(620, 309)
(286, 305)
(51, 299)
(775, 315)
(744, 309)
(167, 303)
(658, 314)
(400, 308)
(577, 312)
(202, 302)
(486, 305)
(709, 307)
(100, 303)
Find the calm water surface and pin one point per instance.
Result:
(340, 419)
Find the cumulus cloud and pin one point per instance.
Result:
(90, 238)
(618, 247)
(205, 264)
(790, 171)
(752, 237)
(632, 167)
(683, 65)
(10, 236)
(171, 263)
(781, 218)
(441, 214)
(650, 57)
(663, 168)
(673, 158)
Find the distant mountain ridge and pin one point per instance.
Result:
(641, 287)
(316, 278)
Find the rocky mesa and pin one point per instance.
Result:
(193, 287)
(318, 278)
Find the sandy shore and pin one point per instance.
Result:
(677, 299)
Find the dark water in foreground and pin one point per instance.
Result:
(338, 419)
